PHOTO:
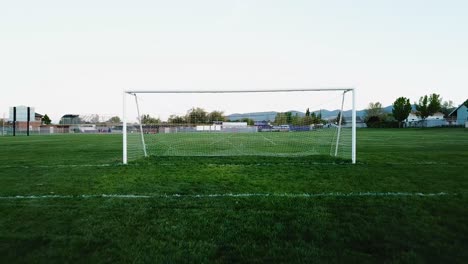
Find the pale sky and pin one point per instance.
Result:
(78, 56)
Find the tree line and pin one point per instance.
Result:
(194, 116)
(287, 118)
(427, 105)
(200, 116)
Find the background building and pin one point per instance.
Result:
(461, 113)
(35, 119)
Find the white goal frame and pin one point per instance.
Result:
(135, 92)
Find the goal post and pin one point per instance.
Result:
(138, 129)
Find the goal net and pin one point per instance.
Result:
(288, 122)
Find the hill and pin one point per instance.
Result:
(270, 116)
(326, 114)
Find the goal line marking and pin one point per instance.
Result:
(221, 195)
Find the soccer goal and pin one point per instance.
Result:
(282, 122)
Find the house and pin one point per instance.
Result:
(38, 117)
(461, 114)
(434, 120)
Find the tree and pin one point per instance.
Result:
(343, 120)
(401, 109)
(374, 109)
(280, 119)
(447, 107)
(250, 122)
(46, 120)
(296, 120)
(307, 113)
(422, 107)
(94, 119)
(197, 116)
(114, 120)
(308, 120)
(175, 119)
(288, 117)
(373, 122)
(216, 116)
(428, 105)
(148, 120)
(435, 104)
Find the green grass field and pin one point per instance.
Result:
(66, 198)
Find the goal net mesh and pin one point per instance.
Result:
(239, 124)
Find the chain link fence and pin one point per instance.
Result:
(91, 124)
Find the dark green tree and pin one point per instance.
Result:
(343, 120)
(422, 107)
(428, 105)
(435, 103)
(280, 119)
(307, 113)
(216, 116)
(197, 116)
(373, 122)
(401, 109)
(175, 119)
(307, 120)
(288, 117)
(46, 120)
(114, 120)
(296, 120)
(148, 120)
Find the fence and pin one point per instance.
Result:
(7, 129)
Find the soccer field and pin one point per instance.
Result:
(67, 198)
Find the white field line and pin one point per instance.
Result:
(222, 195)
(269, 140)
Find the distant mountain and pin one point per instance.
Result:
(256, 116)
(326, 114)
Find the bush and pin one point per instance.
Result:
(377, 122)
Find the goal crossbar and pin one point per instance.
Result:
(239, 91)
(345, 90)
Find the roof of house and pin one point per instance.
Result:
(456, 109)
(70, 116)
(38, 115)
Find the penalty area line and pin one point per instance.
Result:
(221, 195)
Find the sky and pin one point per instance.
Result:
(78, 56)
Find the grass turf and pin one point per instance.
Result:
(236, 229)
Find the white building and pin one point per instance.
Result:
(434, 120)
(234, 124)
